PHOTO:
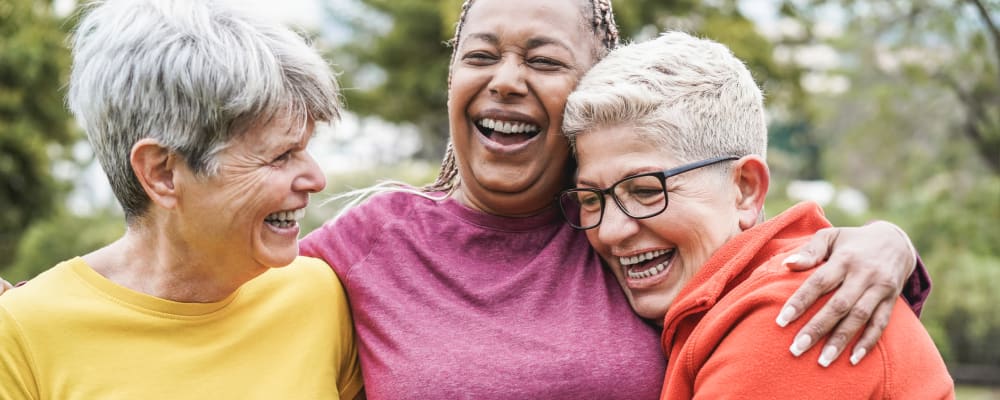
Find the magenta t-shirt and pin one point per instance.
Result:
(452, 303)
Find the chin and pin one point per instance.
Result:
(279, 259)
(651, 309)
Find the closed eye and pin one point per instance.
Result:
(545, 63)
(284, 157)
(479, 58)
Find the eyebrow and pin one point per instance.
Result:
(533, 43)
(631, 172)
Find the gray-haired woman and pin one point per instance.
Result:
(200, 116)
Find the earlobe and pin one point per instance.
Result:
(154, 165)
(752, 180)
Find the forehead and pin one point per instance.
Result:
(610, 153)
(283, 130)
(562, 20)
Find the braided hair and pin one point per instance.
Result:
(602, 25)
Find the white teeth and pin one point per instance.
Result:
(636, 259)
(647, 273)
(508, 127)
(286, 216)
(626, 261)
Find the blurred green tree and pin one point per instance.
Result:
(918, 129)
(34, 125)
(60, 237)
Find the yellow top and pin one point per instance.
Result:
(72, 334)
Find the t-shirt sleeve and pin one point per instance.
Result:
(16, 378)
(349, 382)
(345, 241)
(918, 287)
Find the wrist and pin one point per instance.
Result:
(906, 239)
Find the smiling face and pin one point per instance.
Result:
(654, 258)
(516, 62)
(247, 213)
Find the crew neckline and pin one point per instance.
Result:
(144, 302)
(547, 217)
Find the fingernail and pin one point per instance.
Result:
(792, 259)
(827, 356)
(858, 355)
(785, 316)
(800, 344)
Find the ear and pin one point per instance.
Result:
(155, 167)
(752, 180)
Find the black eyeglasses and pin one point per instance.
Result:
(638, 196)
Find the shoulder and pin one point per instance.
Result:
(304, 273)
(369, 217)
(740, 347)
(389, 204)
(43, 290)
(350, 237)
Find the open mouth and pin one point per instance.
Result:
(507, 132)
(647, 265)
(285, 219)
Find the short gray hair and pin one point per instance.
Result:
(680, 91)
(191, 74)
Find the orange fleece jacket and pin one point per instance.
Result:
(722, 342)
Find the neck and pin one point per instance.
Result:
(505, 208)
(153, 265)
(513, 204)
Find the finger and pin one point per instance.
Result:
(839, 305)
(4, 286)
(814, 252)
(822, 281)
(850, 326)
(876, 326)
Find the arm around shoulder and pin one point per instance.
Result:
(749, 355)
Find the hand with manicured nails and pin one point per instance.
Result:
(871, 264)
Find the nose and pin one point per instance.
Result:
(508, 78)
(311, 178)
(616, 227)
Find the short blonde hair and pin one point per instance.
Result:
(687, 93)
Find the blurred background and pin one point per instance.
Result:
(879, 109)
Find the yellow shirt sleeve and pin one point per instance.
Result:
(16, 378)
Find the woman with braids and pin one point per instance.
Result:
(474, 287)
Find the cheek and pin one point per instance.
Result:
(464, 84)
(554, 99)
(248, 189)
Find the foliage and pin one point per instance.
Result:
(61, 237)
(919, 131)
(33, 62)
(956, 221)
(949, 48)
(400, 74)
